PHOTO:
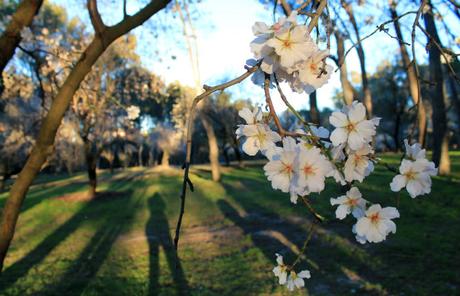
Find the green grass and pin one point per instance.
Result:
(122, 244)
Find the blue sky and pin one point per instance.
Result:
(224, 33)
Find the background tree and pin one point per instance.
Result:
(43, 147)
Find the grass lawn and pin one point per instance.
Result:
(121, 243)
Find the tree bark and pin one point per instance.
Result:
(44, 142)
(165, 159)
(367, 96)
(91, 158)
(11, 37)
(348, 89)
(440, 131)
(411, 77)
(213, 148)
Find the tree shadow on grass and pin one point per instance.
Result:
(93, 210)
(272, 234)
(158, 235)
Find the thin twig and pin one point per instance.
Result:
(379, 28)
(186, 182)
(318, 217)
(304, 247)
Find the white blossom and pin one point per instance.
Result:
(258, 136)
(296, 280)
(376, 223)
(293, 45)
(352, 203)
(358, 165)
(280, 169)
(312, 170)
(415, 151)
(280, 270)
(415, 176)
(352, 127)
(314, 72)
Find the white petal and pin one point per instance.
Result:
(338, 119)
(398, 183)
(357, 113)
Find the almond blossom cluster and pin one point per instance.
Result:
(300, 162)
(285, 49)
(292, 280)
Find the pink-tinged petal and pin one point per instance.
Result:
(357, 112)
(338, 119)
(398, 183)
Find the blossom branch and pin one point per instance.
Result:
(186, 180)
(318, 217)
(268, 100)
(304, 247)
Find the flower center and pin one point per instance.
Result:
(352, 202)
(261, 136)
(313, 67)
(293, 275)
(287, 43)
(308, 170)
(350, 127)
(288, 168)
(374, 218)
(411, 175)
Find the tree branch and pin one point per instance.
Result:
(95, 17)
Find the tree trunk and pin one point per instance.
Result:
(213, 148)
(440, 131)
(314, 112)
(165, 159)
(139, 155)
(11, 37)
(348, 89)
(44, 143)
(411, 77)
(367, 96)
(90, 156)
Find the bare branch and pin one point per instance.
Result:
(318, 12)
(95, 17)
